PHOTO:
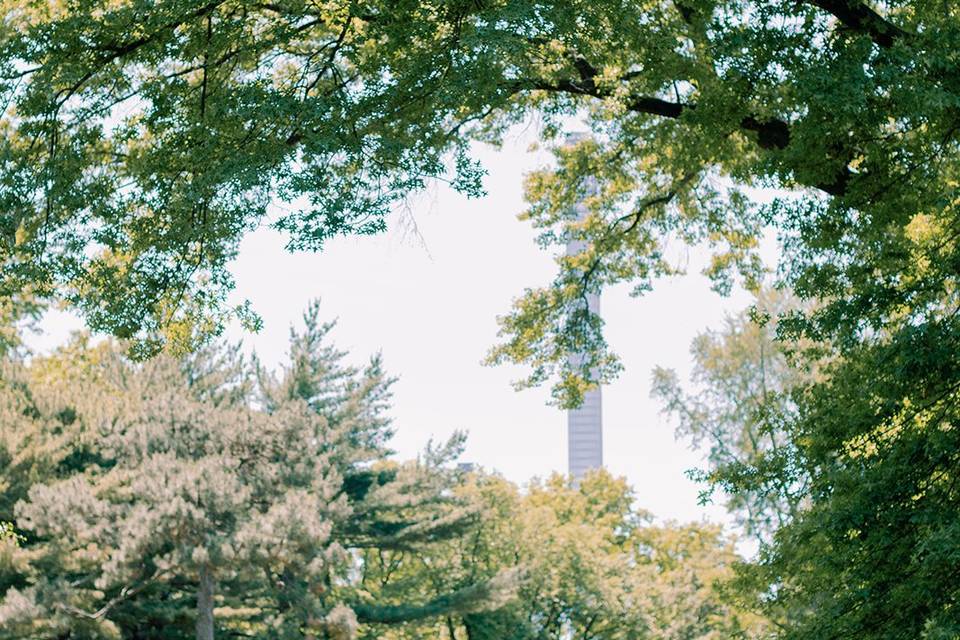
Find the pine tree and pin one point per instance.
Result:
(181, 498)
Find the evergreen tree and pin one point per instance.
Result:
(175, 498)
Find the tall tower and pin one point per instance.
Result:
(585, 423)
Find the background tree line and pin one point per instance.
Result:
(205, 497)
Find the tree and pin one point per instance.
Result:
(742, 380)
(593, 566)
(844, 465)
(872, 554)
(153, 495)
(145, 142)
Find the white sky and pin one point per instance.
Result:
(430, 307)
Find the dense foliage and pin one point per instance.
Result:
(874, 552)
(594, 566)
(173, 498)
(142, 139)
(843, 474)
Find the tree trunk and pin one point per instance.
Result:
(205, 604)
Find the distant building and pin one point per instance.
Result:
(584, 424)
(585, 435)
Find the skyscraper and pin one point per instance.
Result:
(585, 423)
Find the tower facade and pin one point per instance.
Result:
(585, 423)
(585, 435)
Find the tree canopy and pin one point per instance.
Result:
(842, 463)
(203, 497)
(593, 566)
(179, 497)
(143, 140)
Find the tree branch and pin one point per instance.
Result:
(772, 133)
(862, 19)
(113, 52)
(482, 596)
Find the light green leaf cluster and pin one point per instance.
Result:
(735, 409)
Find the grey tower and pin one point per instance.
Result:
(584, 424)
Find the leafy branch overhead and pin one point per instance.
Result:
(142, 143)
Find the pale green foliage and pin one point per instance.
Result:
(739, 397)
(590, 565)
(340, 623)
(182, 483)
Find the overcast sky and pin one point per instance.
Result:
(426, 294)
